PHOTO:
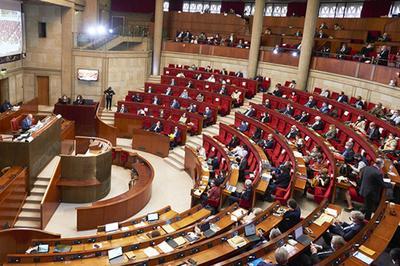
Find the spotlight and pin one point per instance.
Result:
(101, 30)
(110, 30)
(275, 51)
(91, 31)
(295, 53)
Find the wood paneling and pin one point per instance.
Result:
(51, 198)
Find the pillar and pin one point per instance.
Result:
(158, 25)
(256, 32)
(307, 44)
(67, 20)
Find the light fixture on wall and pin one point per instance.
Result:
(3, 71)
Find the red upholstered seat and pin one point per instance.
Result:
(16, 122)
(355, 196)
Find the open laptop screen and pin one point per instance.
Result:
(250, 230)
(115, 253)
(152, 217)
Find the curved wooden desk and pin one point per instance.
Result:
(151, 142)
(122, 206)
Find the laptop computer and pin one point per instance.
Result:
(300, 237)
(151, 217)
(250, 233)
(43, 248)
(206, 229)
(115, 256)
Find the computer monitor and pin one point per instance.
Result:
(111, 227)
(115, 253)
(298, 232)
(152, 217)
(249, 230)
(43, 248)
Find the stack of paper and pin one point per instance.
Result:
(180, 240)
(165, 247)
(324, 218)
(237, 242)
(239, 213)
(331, 212)
(168, 228)
(151, 252)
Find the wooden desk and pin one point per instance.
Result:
(151, 142)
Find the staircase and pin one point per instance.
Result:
(108, 116)
(30, 215)
(154, 79)
(114, 42)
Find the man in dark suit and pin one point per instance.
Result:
(173, 82)
(7, 106)
(264, 118)
(109, 95)
(168, 91)
(190, 85)
(359, 104)
(342, 98)
(279, 179)
(277, 91)
(137, 98)
(288, 110)
(243, 127)
(222, 90)
(242, 168)
(303, 117)
(233, 143)
(319, 253)
(192, 108)
(311, 102)
(207, 115)
(224, 72)
(27, 122)
(239, 74)
(292, 133)
(318, 124)
(268, 143)
(175, 104)
(324, 108)
(373, 132)
(267, 103)
(383, 56)
(346, 230)
(257, 134)
(250, 111)
(156, 101)
(174, 137)
(291, 217)
(156, 127)
(371, 186)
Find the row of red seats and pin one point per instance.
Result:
(249, 84)
(344, 132)
(194, 120)
(222, 101)
(148, 121)
(345, 112)
(279, 154)
(282, 124)
(225, 135)
(184, 103)
(204, 85)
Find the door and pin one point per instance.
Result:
(42, 83)
(4, 93)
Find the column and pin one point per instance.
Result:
(158, 25)
(307, 44)
(258, 20)
(67, 20)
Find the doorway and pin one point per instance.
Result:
(42, 85)
(4, 92)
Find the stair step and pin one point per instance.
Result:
(40, 190)
(29, 215)
(177, 157)
(29, 224)
(179, 151)
(173, 163)
(31, 207)
(33, 199)
(42, 182)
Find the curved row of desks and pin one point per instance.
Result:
(224, 102)
(184, 103)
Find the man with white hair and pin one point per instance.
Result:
(319, 253)
(318, 124)
(346, 230)
(281, 258)
(311, 103)
(245, 197)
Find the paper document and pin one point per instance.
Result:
(165, 247)
(324, 218)
(151, 252)
(168, 228)
(366, 250)
(332, 212)
(363, 258)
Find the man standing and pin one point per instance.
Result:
(109, 94)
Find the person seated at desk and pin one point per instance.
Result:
(346, 230)
(208, 116)
(373, 132)
(318, 124)
(240, 151)
(192, 108)
(320, 34)
(180, 75)
(79, 100)
(156, 101)
(183, 119)
(173, 82)
(179, 36)
(137, 98)
(213, 164)
(384, 37)
(342, 98)
(156, 127)
(251, 215)
(267, 144)
(395, 256)
(365, 53)
(174, 137)
(224, 71)
(348, 153)
(239, 74)
(288, 110)
(359, 103)
(300, 144)
(319, 253)
(321, 180)
(222, 90)
(314, 155)
(390, 144)
(323, 26)
(208, 69)
(198, 76)
(64, 100)
(27, 122)
(211, 79)
(394, 118)
(264, 118)
(298, 33)
(193, 67)
(244, 197)
(303, 117)
(267, 104)
(175, 104)
(343, 52)
(281, 257)
(324, 108)
(292, 84)
(168, 91)
(149, 89)
(184, 94)
(257, 134)
(200, 97)
(123, 109)
(294, 97)
(240, 44)
(190, 85)
(243, 127)
(378, 111)
(292, 133)
(250, 111)
(383, 56)
(291, 217)
(325, 93)
(213, 196)
(277, 90)
(279, 179)
(359, 124)
(236, 98)
(311, 103)
(233, 143)
(331, 133)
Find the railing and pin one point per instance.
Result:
(104, 130)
